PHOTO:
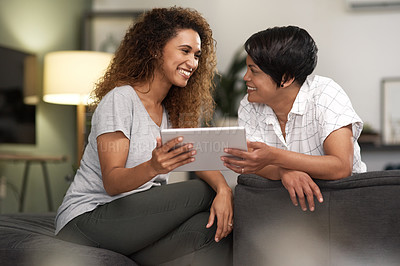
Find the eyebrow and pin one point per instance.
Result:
(253, 66)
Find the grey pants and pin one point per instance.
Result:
(163, 225)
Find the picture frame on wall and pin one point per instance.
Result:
(390, 114)
(104, 31)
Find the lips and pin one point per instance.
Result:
(251, 88)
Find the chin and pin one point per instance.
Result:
(252, 99)
(181, 84)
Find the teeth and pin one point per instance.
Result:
(251, 89)
(184, 72)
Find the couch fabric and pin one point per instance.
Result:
(357, 224)
(27, 239)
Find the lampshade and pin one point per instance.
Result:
(70, 76)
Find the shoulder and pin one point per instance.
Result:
(120, 99)
(325, 90)
(118, 95)
(121, 92)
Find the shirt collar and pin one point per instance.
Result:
(300, 103)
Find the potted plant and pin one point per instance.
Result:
(230, 88)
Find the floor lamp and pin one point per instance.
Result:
(69, 78)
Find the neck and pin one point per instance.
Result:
(284, 103)
(152, 92)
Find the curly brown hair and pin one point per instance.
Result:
(135, 61)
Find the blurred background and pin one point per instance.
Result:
(358, 45)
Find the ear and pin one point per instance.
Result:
(286, 81)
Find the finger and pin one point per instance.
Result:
(182, 149)
(255, 145)
(172, 143)
(159, 143)
(220, 229)
(293, 198)
(301, 199)
(235, 152)
(180, 163)
(317, 192)
(234, 168)
(225, 226)
(230, 224)
(310, 199)
(232, 161)
(249, 149)
(210, 219)
(174, 160)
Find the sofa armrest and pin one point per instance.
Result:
(367, 179)
(357, 224)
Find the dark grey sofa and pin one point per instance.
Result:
(27, 239)
(358, 223)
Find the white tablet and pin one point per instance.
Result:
(209, 142)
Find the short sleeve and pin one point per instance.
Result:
(335, 111)
(114, 113)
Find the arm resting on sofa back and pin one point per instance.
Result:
(357, 224)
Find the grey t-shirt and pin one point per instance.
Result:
(120, 110)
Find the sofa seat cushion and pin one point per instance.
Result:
(28, 239)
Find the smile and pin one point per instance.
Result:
(251, 88)
(185, 72)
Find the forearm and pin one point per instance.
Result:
(326, 167)
(270, 172)
(120, 180)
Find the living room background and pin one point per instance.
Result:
(357, 48)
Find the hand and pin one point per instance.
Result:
(222, 208)
(165, 159)
(300, 184)
(257, 157)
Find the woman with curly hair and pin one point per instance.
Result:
(161, 76)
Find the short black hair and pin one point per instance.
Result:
(283, 53)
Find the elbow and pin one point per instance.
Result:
(342, 172)
(109, 188)
(110, 191)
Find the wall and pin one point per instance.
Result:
(38, 27)
(356, 49)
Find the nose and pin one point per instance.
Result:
(246, 76)
(192, 62)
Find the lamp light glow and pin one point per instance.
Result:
(70, 76)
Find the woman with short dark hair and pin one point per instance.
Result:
(299, 126)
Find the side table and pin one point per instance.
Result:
(29, 159)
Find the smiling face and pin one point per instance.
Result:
(261, 88)
(181, 57)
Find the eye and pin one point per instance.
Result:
(185, 51)
(254, 70)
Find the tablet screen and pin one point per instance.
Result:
(209, 142)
